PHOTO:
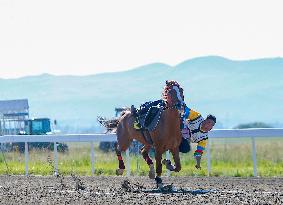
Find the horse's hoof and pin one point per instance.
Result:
(159, 183)
(160, 186)
(151, 172)
(177, 169)
(168, 164)
(119, 172)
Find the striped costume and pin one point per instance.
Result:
(192, 130)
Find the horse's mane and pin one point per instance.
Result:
(168, 87)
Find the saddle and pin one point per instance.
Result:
(148, 115)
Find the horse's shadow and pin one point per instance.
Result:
(166, 189)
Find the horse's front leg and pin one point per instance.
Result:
(176, 158)
(158, 158)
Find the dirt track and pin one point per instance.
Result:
(108, 190)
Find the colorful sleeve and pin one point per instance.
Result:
(200, 148)
(193, 115)
(186, 112)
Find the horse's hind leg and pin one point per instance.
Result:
(123, 143)
(122, 167)
(144, 151)
(119, 148)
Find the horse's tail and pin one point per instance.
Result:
(111, 124)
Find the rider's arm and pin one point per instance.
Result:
(200, 148)
(192, 114)
(187, 111)
(199, 151)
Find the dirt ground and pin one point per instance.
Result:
(140, 190)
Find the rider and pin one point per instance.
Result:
(194, 129)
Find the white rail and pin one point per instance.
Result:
(61, 138)
(218, 133)
(242, 133)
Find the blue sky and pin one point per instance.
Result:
(81, 37)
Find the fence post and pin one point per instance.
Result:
(55, 159)
(208, 157)
(168, 157)
(26, 157)
(128, 163)
(254, 155)
(92, 158)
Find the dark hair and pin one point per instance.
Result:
(211, 117)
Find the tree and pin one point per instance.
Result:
(253, 125)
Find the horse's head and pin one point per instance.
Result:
(173, 94)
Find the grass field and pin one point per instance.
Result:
(229, 157)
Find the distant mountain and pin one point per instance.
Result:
(236, 92)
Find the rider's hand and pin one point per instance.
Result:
(198, 158)
(197, 166)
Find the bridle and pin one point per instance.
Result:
(180, 104)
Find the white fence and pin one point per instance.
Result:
(217, 133)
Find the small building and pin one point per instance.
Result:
(13, 114)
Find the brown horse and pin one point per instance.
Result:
(166, 136)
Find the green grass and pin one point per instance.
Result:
(229, 157)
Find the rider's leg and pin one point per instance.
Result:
(185, 146)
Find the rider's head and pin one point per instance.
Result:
(208, 123)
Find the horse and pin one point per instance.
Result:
(166, 135)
